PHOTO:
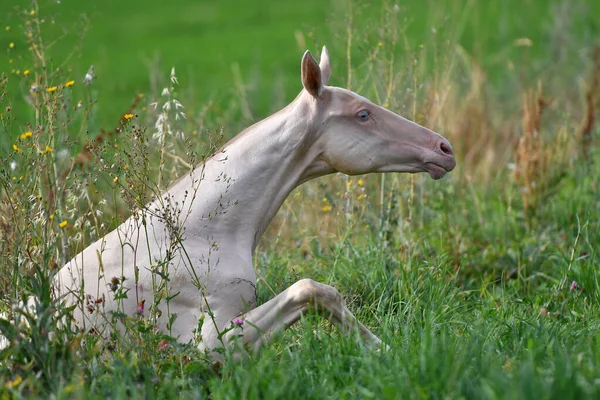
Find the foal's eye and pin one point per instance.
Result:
(363, 115)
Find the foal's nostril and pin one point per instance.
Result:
(446, 148)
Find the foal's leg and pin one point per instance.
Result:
(304, 296)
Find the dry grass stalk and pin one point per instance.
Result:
(531, 160)
(466, 119)
(474, 127)
(587, 124)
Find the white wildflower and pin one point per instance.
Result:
(173, 77)
(13, 165)
(162, 127)
(32, 89)
(89, 76)
(164, 119)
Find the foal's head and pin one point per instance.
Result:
(359, 137)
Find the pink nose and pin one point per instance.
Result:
(446, 148)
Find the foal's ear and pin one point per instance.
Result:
(311, 75)
(325, 66)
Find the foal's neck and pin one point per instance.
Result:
(264, 164)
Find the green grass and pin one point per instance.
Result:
(477, 294)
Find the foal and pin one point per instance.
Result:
(218, 212)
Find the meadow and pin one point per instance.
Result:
(485, 284)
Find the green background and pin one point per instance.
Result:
(204, 40)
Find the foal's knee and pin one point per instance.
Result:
(306, 293)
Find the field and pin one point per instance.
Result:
(485, 284)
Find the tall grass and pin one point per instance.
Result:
(484, 284)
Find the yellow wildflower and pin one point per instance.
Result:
(11, 45)
(16, 148)
(51, 217)
(51, 89)
(48, 149)
(63, 224)
(26, 72)
(116, 179)
(32, 12)
(360, 182)
(70, 83)
(14, 383)
(327, 208)
(26, 135)
(325, 200)
(128, 116)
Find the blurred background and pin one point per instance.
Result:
(222, 48)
